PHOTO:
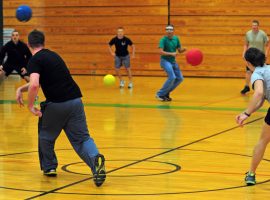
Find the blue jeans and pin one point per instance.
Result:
(175, 77)
(70, 117)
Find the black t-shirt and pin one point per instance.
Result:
(55, 79)
(17, 54)
(121, 45)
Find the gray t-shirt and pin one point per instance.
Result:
(257, 40)
(262, 73)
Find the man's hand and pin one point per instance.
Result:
(35, 111)
(182, 50)
(19, 97)
(113, 54)
(241, 118)
(23, 71)
(174, 54)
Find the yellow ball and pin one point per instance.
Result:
(109, 80)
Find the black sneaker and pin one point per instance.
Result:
(168, 98)
(50, 172)
(245, 90)
(161, 98)
(250, 178)
(100, 172)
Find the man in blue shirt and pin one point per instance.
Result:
(260, 81)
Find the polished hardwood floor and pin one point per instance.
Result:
(190, 148)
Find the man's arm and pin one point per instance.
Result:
(111, 51)
(133, 50)
(257, 98)
(181, 50)
(162, 52)
(267, 48)
(244, 50)
(19, 95)
(255, 103)
(32, 93)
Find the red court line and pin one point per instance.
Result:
(214, 172)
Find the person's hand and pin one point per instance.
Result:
(35, 111)
(133, 56)
(182, 50)
(19, 97)
(241, 118)
(23, 71)
(113, 54)
(174, 54)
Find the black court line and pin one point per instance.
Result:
(165, 193)
(154, 194)
(142, 160)
(176, 168)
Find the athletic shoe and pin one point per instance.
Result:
(50, 172)
(161, 98)
(168, 98)
(100, 172)
(250, 178)
(245, 90)
(122, 84)
(130, 85)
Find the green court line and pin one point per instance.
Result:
(116, 105)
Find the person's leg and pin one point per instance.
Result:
(259, 150)
(168, 68)
(49, 128)
(179, 78)
(247, 80)
(78, 135)
(5, 71)
(126, 63)
(117, 65)
(23, 73)
(2, 75)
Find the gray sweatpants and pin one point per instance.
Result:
(70, 117)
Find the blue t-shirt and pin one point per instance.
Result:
(262, 73)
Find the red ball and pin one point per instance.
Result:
(194, 57)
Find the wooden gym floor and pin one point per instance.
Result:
(190, 148)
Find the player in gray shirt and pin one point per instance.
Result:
(260, 81)
(258, 39)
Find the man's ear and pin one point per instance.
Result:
(250, 66)
(28, 45)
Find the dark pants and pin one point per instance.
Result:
(8, 68)
(70, 117)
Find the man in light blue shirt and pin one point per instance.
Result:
(260, 81)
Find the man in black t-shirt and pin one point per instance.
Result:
(17, 54)
(62, 110)
(121, 55)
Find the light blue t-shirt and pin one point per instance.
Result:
(262, 73)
